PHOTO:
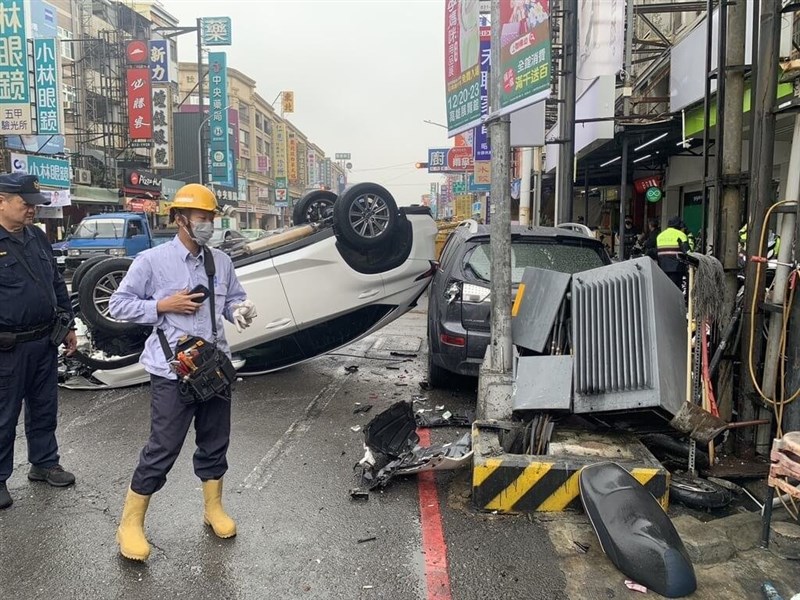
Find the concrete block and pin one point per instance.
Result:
(785, 539)
(705, 544)
(742, 530)
(494, 394)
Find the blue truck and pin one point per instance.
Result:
(109, 234)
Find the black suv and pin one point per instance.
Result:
(459, 306)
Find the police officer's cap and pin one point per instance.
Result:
(674, 222)
(21, 184)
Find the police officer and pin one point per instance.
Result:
(670, 244)
(32, 293)
(155, 291)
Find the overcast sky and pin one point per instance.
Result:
(366, 74)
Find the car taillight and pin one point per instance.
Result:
(453, 340)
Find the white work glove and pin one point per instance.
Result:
(243, 315)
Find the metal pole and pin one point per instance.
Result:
(537, 186)
(200, 152)
(703, 237)
(761, 165)
(201, 94)
(626, 111)
(500, 237)
(525, 187)
(726, 239)
(586, 197)
(566, 155)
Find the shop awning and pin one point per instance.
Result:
(93, 195)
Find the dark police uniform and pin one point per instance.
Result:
(28, 370)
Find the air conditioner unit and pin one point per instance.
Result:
(68, 105)
(83, 176)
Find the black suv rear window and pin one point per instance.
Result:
(565, 258)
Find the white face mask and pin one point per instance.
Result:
(201, 232)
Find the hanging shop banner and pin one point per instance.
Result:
(302, 166)
(15, 108)
(136, 52)
(462, 71)
(311, 164)
(48, 96)
(524, 55)
(263, 164)
(327, 173)
(450, 160)
(280, 152)
(159, 61)
(162, 128)
(291, 159)
(218, 91)
(52, 172)
(216, 31)
(140, 114)
(480, 142)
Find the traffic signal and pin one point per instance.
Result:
(421, 165)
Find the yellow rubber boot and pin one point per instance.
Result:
(130, 534)
(215, 515)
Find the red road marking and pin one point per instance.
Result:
(433, 545)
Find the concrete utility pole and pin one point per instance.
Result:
(525, 187)
(761, 165)
(494, 382)
(569, 65)
(201, 96)
(729, 119)
(500, 137)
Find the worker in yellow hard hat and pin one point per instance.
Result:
(183, 288)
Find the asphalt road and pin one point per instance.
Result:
(291, 459)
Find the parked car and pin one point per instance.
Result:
(459, 300)
(318, 286)
(254, 234)
(230, 241)
(60, 254)
(108, 234)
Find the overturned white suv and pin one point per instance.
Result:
(348, 266)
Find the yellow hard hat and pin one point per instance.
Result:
(194, 195)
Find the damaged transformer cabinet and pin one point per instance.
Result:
(613, 348)
(629, 343)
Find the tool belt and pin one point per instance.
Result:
(10, 338)
(204, 371)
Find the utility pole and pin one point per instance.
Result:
(627, 91)
(761, 165)
(525, 187)
(201, 96)
(500, 237)
(730, 119)
(566, 155)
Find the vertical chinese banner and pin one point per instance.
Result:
(462, 72)
(140, 115)
(162, 128)
(291, 159)
(524, 54)
(15, 108)
(218, 122)
(280, 153)
(159, 61)
(312, 167)
(481, 135)
(48, 97)
(302, 165)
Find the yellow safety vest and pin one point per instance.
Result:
(669, 241)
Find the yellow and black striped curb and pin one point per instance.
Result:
(520, 483)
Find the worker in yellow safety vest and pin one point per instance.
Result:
(670, 244)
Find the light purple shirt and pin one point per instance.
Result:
(161, 272)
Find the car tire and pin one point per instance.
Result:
(695, 492)
(95, 291)
(314, 207)
(82, 269)
(365, 216)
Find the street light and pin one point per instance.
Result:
(200, 169)
(434, 123)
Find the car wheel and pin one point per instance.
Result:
(95, 291)
(698, 493)
(82, 269)
(365, 216)
(314, 207)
